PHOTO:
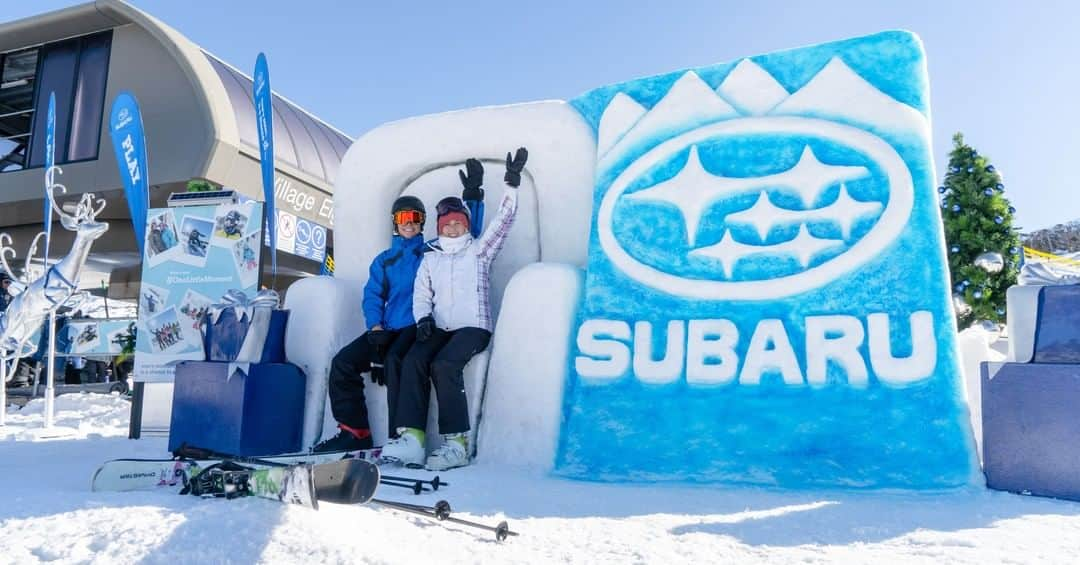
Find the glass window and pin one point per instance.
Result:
(305, 147)
(89, 104)
(241, 103)
(330, 158)
(17, 75)
(341, 143)
(57, 75)
(239, 87)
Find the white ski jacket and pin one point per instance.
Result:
(453, 282)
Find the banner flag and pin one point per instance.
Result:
(50, 161)
(265, 122)
(129, 145)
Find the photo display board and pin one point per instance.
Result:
(192, 256)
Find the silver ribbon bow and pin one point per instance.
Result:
(258, 310)
(1045, 274)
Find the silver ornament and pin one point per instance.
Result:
(989, 326)
(962, 308)
(990, 261)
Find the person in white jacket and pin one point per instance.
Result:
(451, 303)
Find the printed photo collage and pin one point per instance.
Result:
(173, 326)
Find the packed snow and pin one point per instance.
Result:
(50, 514)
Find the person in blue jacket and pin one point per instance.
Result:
(388, 311)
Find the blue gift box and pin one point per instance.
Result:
(225, 337)
(219, 406)
(1057, 326)
(1030, 425)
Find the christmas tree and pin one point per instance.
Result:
(984, 249)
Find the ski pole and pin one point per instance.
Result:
(192, 452)
(416, 487)
(441, 512)
(434, 482)
(502, 529)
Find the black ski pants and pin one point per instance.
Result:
(347, 400)
(439, 361)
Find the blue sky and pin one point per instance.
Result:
(1004, 73)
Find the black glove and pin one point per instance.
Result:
(378, 375)
(424, 328)
(379, 338)
(472, 181)
(515, 166)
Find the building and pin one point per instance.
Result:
(198, 117)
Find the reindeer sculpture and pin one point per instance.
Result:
(35, 300)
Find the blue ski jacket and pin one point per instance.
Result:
(388, 293)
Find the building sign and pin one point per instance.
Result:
(299, 237)
(303, 201)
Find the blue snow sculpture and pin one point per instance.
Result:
(767, 299)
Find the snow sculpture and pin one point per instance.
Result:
(767, 298)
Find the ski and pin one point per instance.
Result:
(146, 474)
(347, 481)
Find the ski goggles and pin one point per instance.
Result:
(451, 204)
(408, 216)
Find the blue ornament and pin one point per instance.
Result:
(941, 189)
(1000, 186)
(955, 249)
(955, 207)
(998, 219)
(971, 169)
(959, 288)
(1015, 250)
(1012, 210)
(965, 282)
(1001, 311)
(989, 192)
(977, 294)
(990, 168)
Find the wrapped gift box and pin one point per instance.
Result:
(222, 406)
(1057, 326)
(1030, 428)
(243, 331)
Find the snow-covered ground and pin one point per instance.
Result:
(48, 513)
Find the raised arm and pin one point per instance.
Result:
(472, 178)
(495, 235)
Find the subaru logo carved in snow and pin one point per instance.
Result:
(772, 224)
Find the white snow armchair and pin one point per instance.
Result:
(420, 156)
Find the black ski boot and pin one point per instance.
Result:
(343, 441)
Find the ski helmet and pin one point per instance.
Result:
(407, 203)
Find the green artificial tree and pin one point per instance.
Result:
(983, 247)
(200, 185)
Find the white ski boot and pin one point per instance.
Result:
(454, 452)
(407, 449)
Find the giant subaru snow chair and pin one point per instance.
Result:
(765, 297)
(420, 157)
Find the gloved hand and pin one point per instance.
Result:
(379, 338)
(515, 166)
(424, 328)
(473, 180)
(378, 375)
